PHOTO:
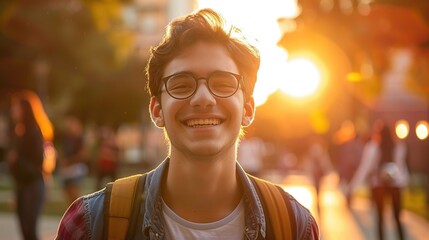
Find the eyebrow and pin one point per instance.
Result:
(181, 72)
(198, 77)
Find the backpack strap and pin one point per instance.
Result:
(121, 203)
(277, 207)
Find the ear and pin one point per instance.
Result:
(156, 112)
(248, 112)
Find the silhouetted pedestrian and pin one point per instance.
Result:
(384, 164)
(318, 163)
(73, 166)
(26, 158)
(107, 157)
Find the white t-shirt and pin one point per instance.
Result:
(230, 227)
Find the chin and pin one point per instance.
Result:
(212, 150)
(206, 151)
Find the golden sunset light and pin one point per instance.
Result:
(302, 194)
(224, 119)
(303, 78)
(258, 20)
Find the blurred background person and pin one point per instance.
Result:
(155, 147)
(384, 165)
(317, 163)
(73, 168)
(30, 128)
(348, 153)
(107, 157)
(251, 153)
(4, 140)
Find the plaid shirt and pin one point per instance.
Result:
(72, 224)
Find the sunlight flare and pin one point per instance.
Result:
(302, 194)
(303, 78)
(258, 21)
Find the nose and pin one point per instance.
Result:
(202, 97)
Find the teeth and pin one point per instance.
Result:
(202, 122)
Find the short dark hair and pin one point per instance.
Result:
(208, 26)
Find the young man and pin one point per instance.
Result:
(201, 80)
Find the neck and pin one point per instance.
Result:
(202, 190)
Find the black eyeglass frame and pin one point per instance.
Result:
(238, 77)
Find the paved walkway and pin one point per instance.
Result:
(359, 222)
(9, 227)
(336, 221)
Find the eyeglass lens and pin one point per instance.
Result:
(220, 84)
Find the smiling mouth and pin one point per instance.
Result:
(199, 123)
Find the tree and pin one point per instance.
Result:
(85, 52)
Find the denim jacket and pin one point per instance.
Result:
(152, 226)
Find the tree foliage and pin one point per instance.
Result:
(76, 54)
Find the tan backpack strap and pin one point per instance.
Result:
(119, 206)
(278, 215)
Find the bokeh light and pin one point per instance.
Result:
(319, 122)
(402, 129)
(422, 130)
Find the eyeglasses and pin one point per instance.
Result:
(220, 84)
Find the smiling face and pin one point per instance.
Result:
(202, 125)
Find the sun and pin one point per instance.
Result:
(302, 78)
